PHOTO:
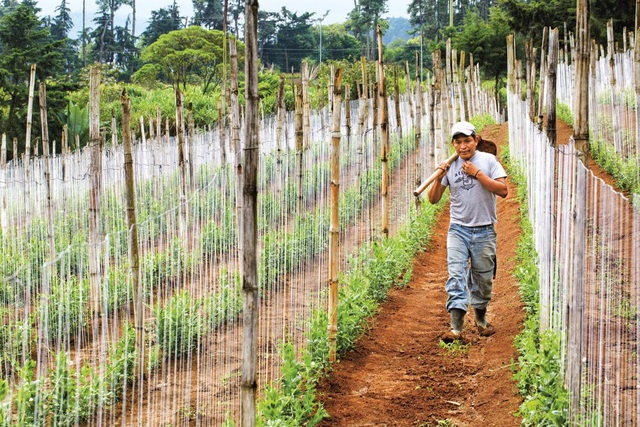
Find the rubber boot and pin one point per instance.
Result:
(485, 328)
(457, 321)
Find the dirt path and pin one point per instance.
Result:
(399, 376)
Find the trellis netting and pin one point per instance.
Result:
(608, 330)
(70, 350)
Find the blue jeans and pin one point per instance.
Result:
(470, 283)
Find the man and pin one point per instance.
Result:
(474, 179)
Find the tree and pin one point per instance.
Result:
(364, 19)
(104, 34)
(24, 40)
(337, 43)
(486, 41)
(60, 26)
(208, 13)
(163, 21)
(294, 39)
(190, 55)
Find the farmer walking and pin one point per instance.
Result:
(474, 179)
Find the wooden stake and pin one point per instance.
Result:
(95, 192)
(27, 152)
(384, 130)
(42, 97)
(334, 230)
(183, 164)
(235, 142)
(554, 42)
(132, 228)
(250, 186)
(4, 222)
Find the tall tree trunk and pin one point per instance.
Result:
(133, 19)
(250, 221)
(84, 33)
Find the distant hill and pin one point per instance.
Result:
(398, 29)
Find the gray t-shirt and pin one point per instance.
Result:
(472, 204)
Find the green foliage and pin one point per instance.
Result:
(64, 311)
(454, 348)
(179, 325)
(293, 402)
(17, 338)
(564, 113)
(122, 364)
(77, 121)
(191, 55)
(226, 303)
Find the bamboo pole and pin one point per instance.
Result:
(183, 165)
(396, 99)
(417, 126)
(159, 125)
(95, 193)
(543, 66)
(362, 115)
(235, 141)
(463, 84)
(437, 104)
(143, 137)
(347, 112)
(407, 75)
(44, 123)
(306, 111)
(551, 85)
(114, 132)
(249, 215)
(280, 118)
(575, 315)
(132, 228)
(27, 152)
(299, 142)
(384, 130)
(4, 223)
(456, 84)
(334, 230)
(191, 129)
(530, 56)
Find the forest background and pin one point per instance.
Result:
(188, 53)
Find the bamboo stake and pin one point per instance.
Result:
(384, 129)
(42, 97)
(114, 133)
(543, 66)
(362, 114)
(151, 133)
(65, 160)
(456, 84)
(463, 84)
(334, 231)
(551, 85)
(183, 165)
(437, 103)
(159, 125)
(132, 228)
(142, 131)
(305, 105)
(347, 112)
(417, 126)
(250, 230)
(191, 142)
(396, 99)
(530, 56)
(4, 223)
(573, 376)
(299, 142)
(280, 118)
(27, 152)
(407, 76)
(95, 193)
(235, 141)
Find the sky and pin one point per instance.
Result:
(338, 9)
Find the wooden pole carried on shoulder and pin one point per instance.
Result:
(435, 175)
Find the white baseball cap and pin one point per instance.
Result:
(464, 128)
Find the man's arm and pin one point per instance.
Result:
(497, 186)
(437, 189)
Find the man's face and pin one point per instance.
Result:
(465, 146)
